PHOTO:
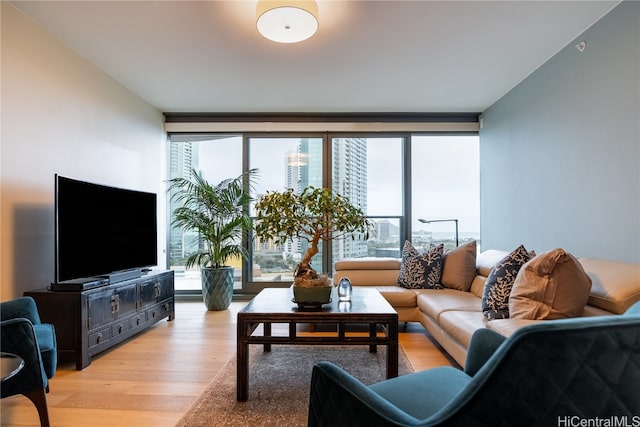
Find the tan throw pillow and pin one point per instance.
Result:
(553, 285)
(459, 267)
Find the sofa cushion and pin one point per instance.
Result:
(553, 285)
(461, 325)
(367, 263)
(615, 285)
(398, 296)
(591, 310)
(434, 302)
(507, 327)
(459, 267)
(367, 277)
(495, 298)
(367, 271)
(477, 285)
(421, 270)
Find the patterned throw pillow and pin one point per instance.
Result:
(495, 298)
(421, 270)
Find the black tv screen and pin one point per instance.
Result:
(102, 230)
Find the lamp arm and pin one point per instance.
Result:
(429, 221)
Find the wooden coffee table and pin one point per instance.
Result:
(275, 305)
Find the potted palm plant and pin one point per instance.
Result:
(315, 214)
(220, 215)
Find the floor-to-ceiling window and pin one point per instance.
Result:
(283, 162)
(369, 171)
(396, 179)
(445, 180)
(217, 157)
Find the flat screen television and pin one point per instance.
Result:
(101, 230)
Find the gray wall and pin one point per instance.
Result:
(560, 153)
(60, 114)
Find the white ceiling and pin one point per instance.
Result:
(367, 56)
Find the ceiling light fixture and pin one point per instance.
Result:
(287, 21)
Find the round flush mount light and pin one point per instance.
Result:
(289, 21)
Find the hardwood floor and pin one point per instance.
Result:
(153, 378)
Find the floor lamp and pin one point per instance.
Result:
(429, 221)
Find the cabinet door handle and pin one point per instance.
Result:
(115, 304)
(99, 338)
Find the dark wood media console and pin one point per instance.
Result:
(88, 322)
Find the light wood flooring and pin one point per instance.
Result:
(153, 378)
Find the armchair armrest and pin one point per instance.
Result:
(484, 343)
(18, 337)
(339, 399)
(25, 308)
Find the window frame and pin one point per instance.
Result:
(250, 286)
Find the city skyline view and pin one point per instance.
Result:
(445, 185)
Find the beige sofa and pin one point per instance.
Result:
(451, 316)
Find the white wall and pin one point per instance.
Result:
(60, 114)
(560, 153)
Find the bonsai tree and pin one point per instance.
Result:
(220, 215)
(315, 214)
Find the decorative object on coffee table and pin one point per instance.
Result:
(311, 297)
(220, 215)
(344, 290)
(313, 215)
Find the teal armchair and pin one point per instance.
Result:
(551, 373)
(23, 334)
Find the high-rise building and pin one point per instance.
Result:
(304, 169)
(350, 180)
(184, 156)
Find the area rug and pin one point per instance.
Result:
(279, 384)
